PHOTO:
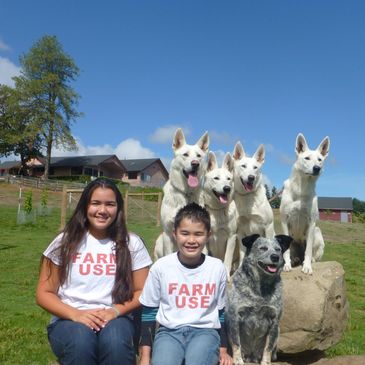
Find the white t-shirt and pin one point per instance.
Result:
(91, 277)
(186, 297)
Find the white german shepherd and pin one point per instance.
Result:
(299, 206)
(255, 215)
(184, 186)
(218, 200)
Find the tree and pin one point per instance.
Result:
(267, 190)
(275, 198)
(18, 131)
(45, 81)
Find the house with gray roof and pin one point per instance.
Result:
(335, 209)
(138, 172)
(145, 172)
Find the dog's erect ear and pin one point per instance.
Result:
(228, 162)
(301, 144)
(284, 241)
(260, 154)
(324, 146)
(212, 161)
(203, 142)
(179, 139)
(238, 151)
(248, 241)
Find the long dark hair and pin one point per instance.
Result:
(76, 229)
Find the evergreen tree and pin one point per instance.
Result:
(45, 81)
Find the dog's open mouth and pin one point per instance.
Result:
(269, 268)
(192, 177)
(247, 185)
(222, 197)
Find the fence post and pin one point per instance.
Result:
(142, 205)
(63, 207)
(126, 206)
(158, 217)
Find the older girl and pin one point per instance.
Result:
(91, 277)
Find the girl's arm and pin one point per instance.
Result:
(139, 277)
(47, 297)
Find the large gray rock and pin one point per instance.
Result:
(315, 308)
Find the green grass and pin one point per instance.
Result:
(352, 258)
(23, 338)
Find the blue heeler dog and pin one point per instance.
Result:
(254, 306)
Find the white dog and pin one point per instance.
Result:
(255, 215)
(299, 206)
(217, 196)
(183, 186)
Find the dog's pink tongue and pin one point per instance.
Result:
(193, 181)
(223, 199)
(248, 187)
(272, 268)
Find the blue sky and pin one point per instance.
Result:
(249, 71)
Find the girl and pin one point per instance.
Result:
(91, 277)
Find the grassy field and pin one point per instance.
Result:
(23, 337)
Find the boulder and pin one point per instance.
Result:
(315, 308)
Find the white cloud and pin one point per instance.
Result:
(3, 45)
(131, 148)
(7, 71)
(166, 134)
(127, 149)
(222, 138)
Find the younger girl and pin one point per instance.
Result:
(91, 277)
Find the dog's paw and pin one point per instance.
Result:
(307, 269)
(265, 362)
(287, 267)
(238, 361)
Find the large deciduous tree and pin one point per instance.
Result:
(18, 131)
(47, 72)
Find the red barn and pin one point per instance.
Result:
(335, 209)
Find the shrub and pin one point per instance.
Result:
(28, 202)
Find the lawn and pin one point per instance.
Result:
(23, 337)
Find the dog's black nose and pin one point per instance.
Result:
(227, 189)
(251, 178)
(316, 170)
(195, 164)
(274, 257)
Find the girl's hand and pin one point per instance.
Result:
(224, 358)
(90, 318)
(144, 360)
(107, 314)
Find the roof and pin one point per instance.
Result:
(335, 203)
(9, 164)
(141, 164)
(94, 160)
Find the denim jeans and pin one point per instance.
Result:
(198, 346)
(76, 344)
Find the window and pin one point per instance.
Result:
(76, 170)
(145, 177)
(132, 175)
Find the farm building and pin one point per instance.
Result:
(145, 172)
(335, 209)
(138, 172)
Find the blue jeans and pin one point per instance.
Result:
(74, 343)
(198, 346)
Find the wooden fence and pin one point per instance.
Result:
(138, 207)
(38, 183)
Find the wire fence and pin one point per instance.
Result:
(139, 207)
